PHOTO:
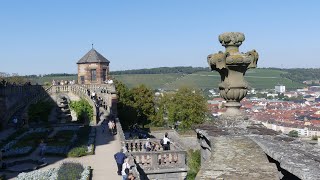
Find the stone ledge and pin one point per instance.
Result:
(301, 159)
(237, 157)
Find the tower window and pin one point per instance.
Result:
(104, 74)
(93, 75)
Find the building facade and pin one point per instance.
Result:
(93, 68)
(280, 88)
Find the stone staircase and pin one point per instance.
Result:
(63, 110)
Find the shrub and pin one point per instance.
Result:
(78, 151)
(70, 170)
(314, 137)
(40, 111)
(83, 110)
(293, 133)
(194, 163)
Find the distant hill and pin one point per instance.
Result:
(257, 78)
(199, 77)
(163, 70)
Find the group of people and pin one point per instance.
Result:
(62, 82)
(123, 166)
(111, 126)
(154, 146)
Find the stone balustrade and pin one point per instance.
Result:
(23, 89)
(137, 145)
(80, 91)
(155, 160)
(120, 133)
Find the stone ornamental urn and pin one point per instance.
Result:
(232, 66)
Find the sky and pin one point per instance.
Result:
(43, 37)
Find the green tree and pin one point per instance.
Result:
(161, 110)
(293, 133)
(144, 105)
(188, 107)
(40, 111)
(83, 110)
(126, 111)
(314, 137)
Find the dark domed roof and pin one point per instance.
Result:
(93, 57)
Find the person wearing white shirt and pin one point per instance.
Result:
(148, 144)
(166, 142)
(125, 169)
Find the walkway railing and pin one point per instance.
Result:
(155, 160)
(137, 145)
(83, 91)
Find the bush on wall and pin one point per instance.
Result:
(83, 109)
(40, 111)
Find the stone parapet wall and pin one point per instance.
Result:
(175, 174)
(185, 141)
(18, 97)
(136, 145)
(234, 157)
(156, 160)
(297, 157)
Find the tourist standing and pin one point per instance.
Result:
(93, 95)
(148, 145)
(1, 156)
(166, 142)
(42, 148)
(15, 122)
(114, 128)
(120, 157)
(125, 169)
(53, 82)
(110, 125)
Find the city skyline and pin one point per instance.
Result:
(50, 37)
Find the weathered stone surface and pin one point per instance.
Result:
(232, 66)
(299, 158)
(186, 141)
(237, 157)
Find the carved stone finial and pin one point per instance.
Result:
(232, 66)
(231, 38)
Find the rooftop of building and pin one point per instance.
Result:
(93, 57)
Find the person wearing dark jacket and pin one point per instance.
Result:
(120, 157)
